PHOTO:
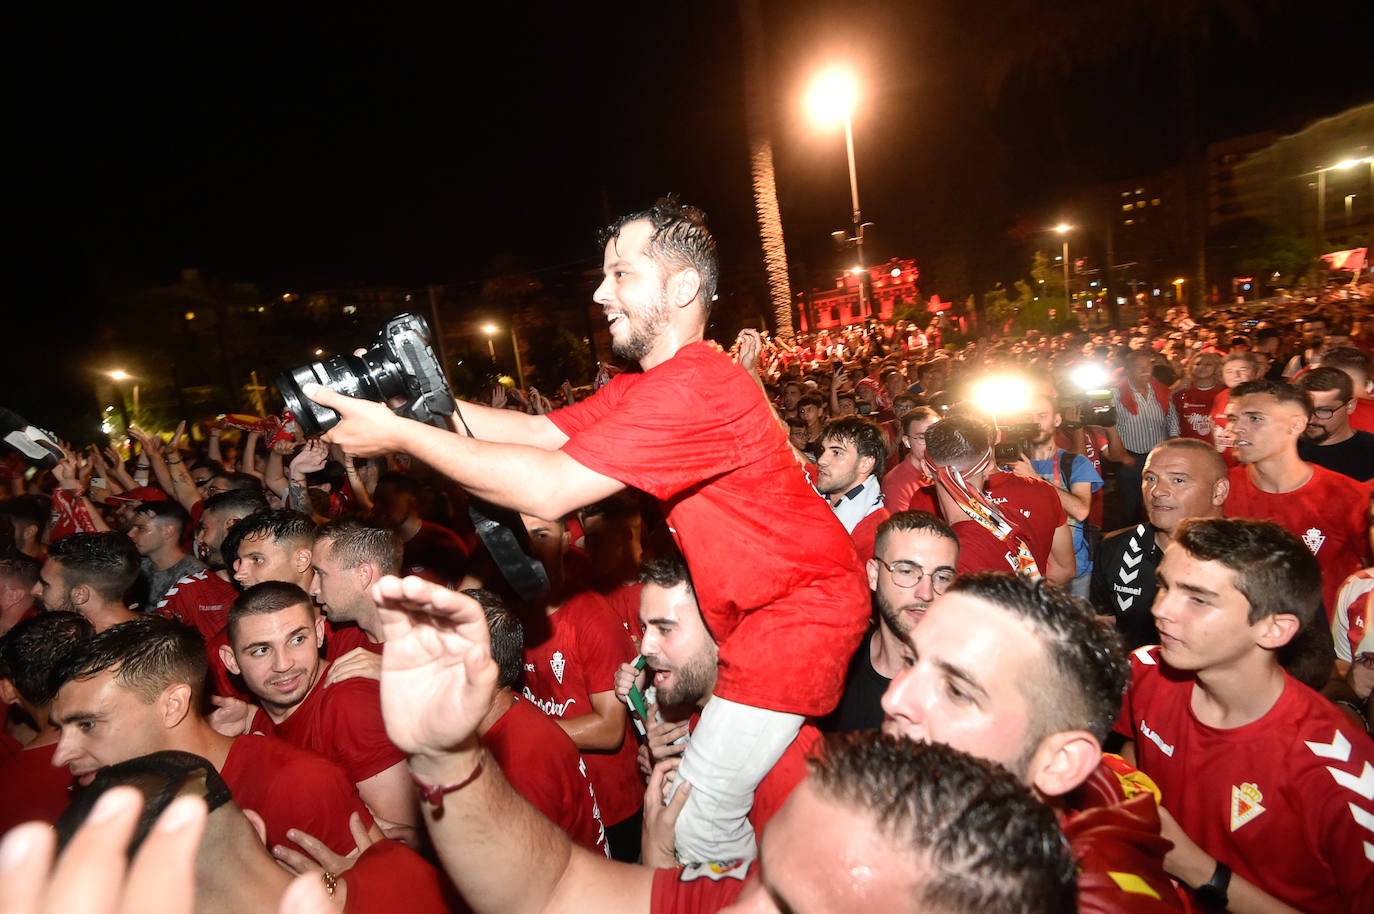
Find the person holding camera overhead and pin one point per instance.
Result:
(779, 583)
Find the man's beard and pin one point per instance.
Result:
(1045, 437)
(645, 328)
(895, 616)
(692, 682)
(1316, 434)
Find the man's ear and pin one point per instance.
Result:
(872, 568)
(226, 655)
(866, 466)
(685, 287)
(1063, 761)
(9, 695)
(79, 595)
(304, 556)
(365, 575)
(1275, 631)
(319, 630)
(1220, 490)
(175, 704)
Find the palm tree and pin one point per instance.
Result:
(761, 165)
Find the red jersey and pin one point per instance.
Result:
(703, 888)
(436, 554)
(694, 432)
(542, 763)
(1362, 419)
(907, 488)
(1033, 509)
(1194, 406)
(31, 789)
(865, 533)
(342, 722)
(1329, 512)
(293, 788)
(577, 658)
(200, 600)
(624, 602)
(390, 877)
(1353, 621)
(340, 638)
(1286, 801)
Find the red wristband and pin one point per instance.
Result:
(434, 794)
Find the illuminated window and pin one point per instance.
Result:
(1154, 202)
(1127, 207)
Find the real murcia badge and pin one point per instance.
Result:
(558, 663)
(1245, 804)
(1314, 539)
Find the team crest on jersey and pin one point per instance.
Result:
(558, 663)
(1246, 801)
(1314, 539)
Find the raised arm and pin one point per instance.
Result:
(528, 477)
(438, 680)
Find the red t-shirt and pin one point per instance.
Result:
(1033, 509)
(390, 877)
(342, 722)
(436, 554)
(200, 600)
(31, 789)
(779, 584)
(1362, 419)
(1284, 800)
(292, 788)
(1329, 512)
(624, 602)
(906, 488)
(703, 888)
(343, 637)
(865, 533)
(542, 763)
(577, 658)
(1194, 408)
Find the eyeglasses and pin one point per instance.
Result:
(1326, 412)
(909, 574)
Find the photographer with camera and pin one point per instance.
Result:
(1073, 477)
(779, 583)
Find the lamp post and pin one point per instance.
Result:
(490, 331)
(119, 376)
(1063, 229)
(1178, 291)
(832, 98)
(1343, 165)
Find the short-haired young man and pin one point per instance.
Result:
(1269, 784)
(18, 577)
(157, 529)
(275, 637)
(1004, 522)
(1021, 674)
(906, 487)
(1327, 510)
(31, 787)
(914, 559)
(1357, 364)
(1330, 440)
(90, 573)
(275, 546)
(201, 599)
(853, 456)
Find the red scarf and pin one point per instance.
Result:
(1128, 396)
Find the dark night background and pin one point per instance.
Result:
(309, 149)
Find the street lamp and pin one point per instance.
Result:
(119, 376)
(1343, 165)
(1178, 291)
(832, 98)
(490, 331)
(1063, 229)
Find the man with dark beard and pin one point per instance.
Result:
(693, 430)
(1330, 441)
(915, 555)
(682, 662)
(1074, 479)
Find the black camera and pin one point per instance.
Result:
(1011, 442)
(1094, 408)
(401, 371)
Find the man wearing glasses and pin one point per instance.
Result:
(1330, 440)
(906, 487)
(915, 555)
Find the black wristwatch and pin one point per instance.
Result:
(1212, 893)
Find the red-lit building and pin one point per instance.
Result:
(893, 288)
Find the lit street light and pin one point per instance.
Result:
(1178, 291)
(1343, 165)
(490, 331)
(832, 98)
(119, 376)
(1064, 228)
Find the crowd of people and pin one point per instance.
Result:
(882, 619)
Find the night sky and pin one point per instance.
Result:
(294, 149)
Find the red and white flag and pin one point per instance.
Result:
(1352, 260)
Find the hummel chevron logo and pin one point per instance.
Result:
(1144, 656)
(1129, 576)
(1124, 602)
(1363, 785)
(1338, 748)
(1131, 559)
